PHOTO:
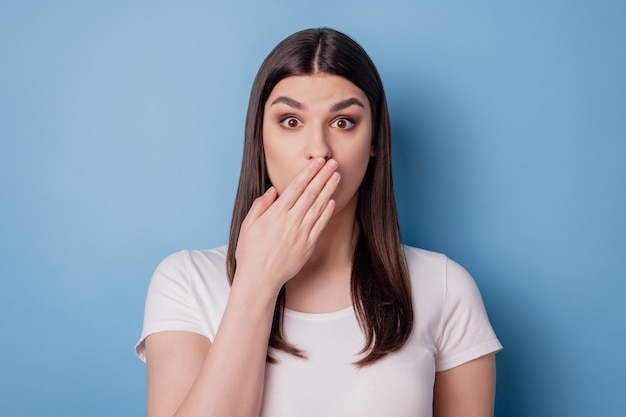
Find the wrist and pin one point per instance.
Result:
(254, 291)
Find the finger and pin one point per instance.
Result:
(313, 189)
(316, 209)
(260, 205)
(321, 222)
(297, 186)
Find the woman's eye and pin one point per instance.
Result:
(343, 123)
(290, 122)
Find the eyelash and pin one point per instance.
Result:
(285, 120)
(351, 123)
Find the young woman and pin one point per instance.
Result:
(315, 308)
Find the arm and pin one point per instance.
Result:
(467, 390)
(173, 359)
(190, 376)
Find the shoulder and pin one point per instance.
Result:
(188, 292)
(422, 258)
(190, 274)
(451, 308)
(439, 285)
(215, 255)
(435, 268)
(187, 262)
(428, 276)
(207, 259)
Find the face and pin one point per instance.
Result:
(320, 115)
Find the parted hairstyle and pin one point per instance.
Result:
(380, 285)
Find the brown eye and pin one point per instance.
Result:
(290, 122)
(343, 124)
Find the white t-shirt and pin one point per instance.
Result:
(189, 291)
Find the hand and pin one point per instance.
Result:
(279, 235)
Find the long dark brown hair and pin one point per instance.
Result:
(380, 285)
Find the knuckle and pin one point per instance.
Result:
(310, 194)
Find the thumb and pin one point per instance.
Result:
(261, 204)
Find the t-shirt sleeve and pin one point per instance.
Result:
(169, 303)
(466, 333)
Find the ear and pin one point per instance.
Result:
(372, 152)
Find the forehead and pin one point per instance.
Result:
(317, 89)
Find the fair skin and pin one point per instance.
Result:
(321, 116)
(317, 141)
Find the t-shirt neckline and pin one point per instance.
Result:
(320, 316)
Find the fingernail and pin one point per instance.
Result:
(269, 190)
(331, 164)
(319, 162)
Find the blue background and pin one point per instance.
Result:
(120, 141)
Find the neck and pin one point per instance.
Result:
(323, 284)
(336, 243)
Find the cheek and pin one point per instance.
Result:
(275, 172)
(357, 171)
(353, 171)
(272, 157)
(280, 165)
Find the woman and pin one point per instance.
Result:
(315, 308)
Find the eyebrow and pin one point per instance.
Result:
(347, 103)
(290, 102)
(337, 107)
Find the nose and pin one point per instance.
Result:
(317, 145)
